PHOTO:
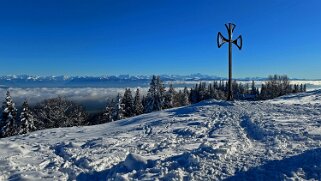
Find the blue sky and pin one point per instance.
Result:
(142, 37)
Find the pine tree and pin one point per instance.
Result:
(254, 90)
(169, 98)
(296, 88)
(301, 88)
(194, 95)
(202, 92)
(26, 119)
(155, 95)
(128, 103)
(119, 108)
(108, 116)
(263, 94)
(161, 90)
(185, 97)
(211, 91)
(9, 114)
(138, 105)
(144, 102)
(59, 112)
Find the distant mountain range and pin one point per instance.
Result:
(100, 81)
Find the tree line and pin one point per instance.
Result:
(60, 112)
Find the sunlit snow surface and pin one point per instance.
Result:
(214, 140)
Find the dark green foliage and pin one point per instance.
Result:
(26, 123)
(155, 95)
(169, 98)
(138, 105)
(128, 103)
(59, 112)
(8, 124)
(119, 108)
(277, 85)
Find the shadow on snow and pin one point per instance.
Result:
(307, 164)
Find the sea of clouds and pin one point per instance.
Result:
(97, 98)
(88, 97)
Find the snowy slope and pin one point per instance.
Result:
(214, 140)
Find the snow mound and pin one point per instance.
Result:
(135, 162)
(311, 97)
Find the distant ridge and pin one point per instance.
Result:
(103, 81)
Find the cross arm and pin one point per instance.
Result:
(238, 42)
(221, 39)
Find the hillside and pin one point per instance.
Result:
(214, 140)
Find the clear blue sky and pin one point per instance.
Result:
(99, 37)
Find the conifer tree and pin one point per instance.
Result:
(138, 105)
(194, 94)
(301, 88)
(109, 112)
(169, 97)
(211, 91)
(128, 103)
(155, 95)
(254, 90)
(202, 92)
(59, 112)
(119, 108)
(26, 119)
(185, 99)
(8, 126)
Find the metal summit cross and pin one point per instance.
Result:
(238, 42)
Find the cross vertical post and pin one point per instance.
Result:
(238, 42)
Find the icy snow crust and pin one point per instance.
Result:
(214, 140)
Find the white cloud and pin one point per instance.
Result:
(35, 95)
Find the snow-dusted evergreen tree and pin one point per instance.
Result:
(59, 112)
(276, 86)
(202, 91)
(26, 119)
(155, 95)
(108, 116)
(138, 105)
(194, 97)
(211, 91)
(169, 97)
(119, 108)
(8, 126)
(253, 88)
(128, 103)
(185, 97)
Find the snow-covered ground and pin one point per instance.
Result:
(214, 140)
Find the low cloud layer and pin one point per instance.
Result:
(94, 98)
(80, 95)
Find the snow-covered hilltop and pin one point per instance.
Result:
(213, 140)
